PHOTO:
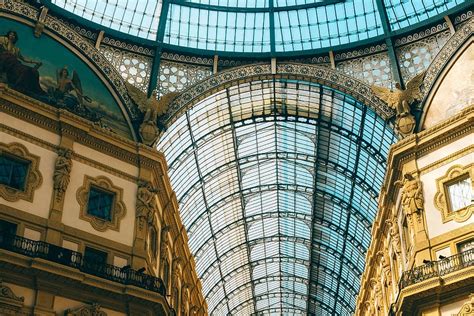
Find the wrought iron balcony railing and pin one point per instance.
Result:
(74, 259)
(437, 268)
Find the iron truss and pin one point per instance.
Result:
(278, 204)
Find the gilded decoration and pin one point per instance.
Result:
(441, 198)
(118, 207)
(152, 108)
(329, 77)
(62, 171)
(400, 101)
(87, 310)
(33, 178)
(468, 308)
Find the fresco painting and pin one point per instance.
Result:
(46, 70)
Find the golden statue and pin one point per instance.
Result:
(400, 101)
(152, 108)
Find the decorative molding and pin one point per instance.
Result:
(323, 75)
(118, 208)
(33, 179)
(441, 199)
(116, 43)
(468, 308)
(444, 56)
(422, 34)
(6, 293)
(86, 310)
(450, 158)
(187, 59)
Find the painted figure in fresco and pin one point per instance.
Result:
(20, 76)
(65, 85)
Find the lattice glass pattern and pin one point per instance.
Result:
(416, 57)
(134, 68)
(277, 182)
(374, 69)
(177, 76)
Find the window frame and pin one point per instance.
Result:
(118, 208)
(442, 197)
(33, 178)
(101, 190)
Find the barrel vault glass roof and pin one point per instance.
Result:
(256, 26)
(277, 182)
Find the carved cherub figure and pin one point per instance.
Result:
(151, 107)
(399, 99)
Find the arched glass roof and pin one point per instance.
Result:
(277, 182)
(256, 26)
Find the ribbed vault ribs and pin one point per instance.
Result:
(277, 182)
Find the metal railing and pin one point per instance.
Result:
(437, 268)
(74, 259)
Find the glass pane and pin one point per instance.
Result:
(100, 204)
(460, 194)
(13, 172)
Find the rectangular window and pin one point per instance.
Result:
(94, 256)
(13, 171)
(460, 194)
(100, 203)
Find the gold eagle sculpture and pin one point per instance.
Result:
(151, 107)
(400, 100)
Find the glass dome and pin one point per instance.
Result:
(273, 27)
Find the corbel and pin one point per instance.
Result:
(39, 27)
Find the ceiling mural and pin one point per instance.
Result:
(49, 72)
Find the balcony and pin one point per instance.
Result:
(437, 268)
(73, 259)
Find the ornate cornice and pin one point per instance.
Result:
(60, 121)
(313, 73)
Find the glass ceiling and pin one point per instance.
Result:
(256, 26)
(277, 182)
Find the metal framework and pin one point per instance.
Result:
(278, 207)
(257, 28)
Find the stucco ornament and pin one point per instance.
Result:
(400, 101)
(151, 108)
(144, 203)
(62, 171)
(87, 310)
(395, 236)
(468, 308)
(412, 196)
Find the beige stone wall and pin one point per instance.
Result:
(41, 203)
(71, 208)
(435, 225)
(455, 90)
